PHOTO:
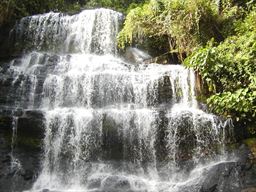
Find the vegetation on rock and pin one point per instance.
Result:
(216, 38)
(13, 9)
(229, 70)
(186, 24)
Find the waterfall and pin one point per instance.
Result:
(110, 125)
(15, 164)
(81, 33)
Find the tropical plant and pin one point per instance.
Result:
(188, 24)
(229, 71)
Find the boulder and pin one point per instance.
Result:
(236, 176)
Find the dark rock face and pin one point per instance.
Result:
(165, 91)
(18, 178)
(166, 58)
(4, 41)
(223, 177)
(16, 86)
(116, 184)
(232, 176)
(135, 55)
(112, 145)
(251, 189)
(19, 166)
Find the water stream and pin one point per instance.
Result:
(111, 125)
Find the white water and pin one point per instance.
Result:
(15, 163)
(111, 125)
(83, 33)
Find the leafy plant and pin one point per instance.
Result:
(188, 24)
(229, 70)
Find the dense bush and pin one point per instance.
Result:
(220, 39)
(229, 69)
(119, 5)
(188, 24)
(13, 9)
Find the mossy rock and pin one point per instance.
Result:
(251, 143)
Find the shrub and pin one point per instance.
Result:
(188, 24)
(229, 71)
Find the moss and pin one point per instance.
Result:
(251, 143)
(23, 142)
(252, 129)
(232, 146)
(29, 142)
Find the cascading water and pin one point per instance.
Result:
(82, 33)
(110, 125)
(15, 164)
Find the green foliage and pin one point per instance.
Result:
(239, 104)
(139, 24)
(119, 5)
(251, 143)
(13, 9)
(192, 24)
(230, 72)
(188, 24)
(234, 14)
(248, 24)
(224, 35)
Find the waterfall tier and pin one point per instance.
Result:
(109, 125)
(91, 31)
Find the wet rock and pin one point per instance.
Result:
(27, 174)
(31, 125)
(94, 183)
(6, 159)
(239, 176)
(20, 177)
(53, 60)
(161, 151)
(27, 156)
(249, 176)
(18, 112)
(135, 55)
(116, 184)
(5, 43)
(165, 90)
(252, 189)
(45, 190)
(167, 58)
(5, 123)
(112, 144)
(222, 177)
